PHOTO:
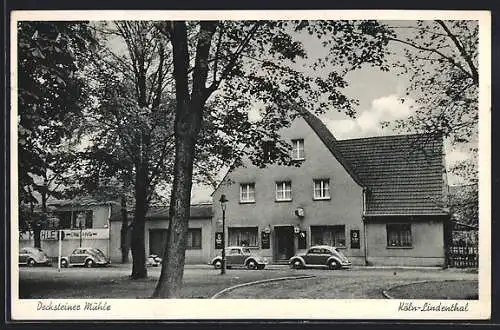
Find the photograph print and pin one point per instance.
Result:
(164, 160)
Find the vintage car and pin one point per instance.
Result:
(153, 260)
(88, 257)
(31, 256)
(240, 256)
(320, 256)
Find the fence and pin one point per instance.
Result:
(463, 256)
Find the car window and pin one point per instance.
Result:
(76, 251)
(313, 251)
(23, 251)
(247, 251)
(235, 251)
(326, 251)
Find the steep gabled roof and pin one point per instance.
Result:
(330, 142)
(404, 173)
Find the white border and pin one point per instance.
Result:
(124, 309)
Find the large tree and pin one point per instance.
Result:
(236, 63)
(130, 124)
(50, 101)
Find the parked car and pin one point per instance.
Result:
(320, 256)
(153, 260)
(33, 256)
(240, 256)
(88, 257)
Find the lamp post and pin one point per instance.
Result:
(81, 229)
(223, 204)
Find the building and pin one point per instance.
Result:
(200, 233)
(83, 221)
(379, 199)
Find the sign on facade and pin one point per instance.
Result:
(68, 234)
(355, 239)
(265, 242)
(218, 240)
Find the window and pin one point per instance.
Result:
(247, 193)
(268, 150)
(399, 235)
(328, 235)
(194, 238)
(298, 149)
(73, 219)
(321, 189)
(243, 236)
(284, 191)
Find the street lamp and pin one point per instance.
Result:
(223, 204)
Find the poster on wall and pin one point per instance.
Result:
(264, 240)
(218, 240)
(354, 239)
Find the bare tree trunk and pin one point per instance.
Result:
(124, 244)
(188, 119)
(37, 224)
(138, 250)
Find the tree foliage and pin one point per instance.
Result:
(222, 68)
(442, 64)
(50, 101)
(129, 126)
(441, 60)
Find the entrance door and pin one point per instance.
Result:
(284, 238)
(157, 239)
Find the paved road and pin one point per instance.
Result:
(356, 283)
(202, 281)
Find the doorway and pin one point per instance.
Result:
(284, 247)
(157, 240)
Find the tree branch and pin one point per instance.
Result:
(465, 56)
(433, 50)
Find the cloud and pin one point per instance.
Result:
(369, 121)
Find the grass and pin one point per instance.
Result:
(437, 290)
(355, 287)
(205, 282)
(77, 284)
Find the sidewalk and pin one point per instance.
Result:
(284, 267)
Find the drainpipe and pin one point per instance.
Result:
(109, 230)
(365, 244)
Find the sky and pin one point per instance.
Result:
(379, 94)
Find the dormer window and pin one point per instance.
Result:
(298, 149)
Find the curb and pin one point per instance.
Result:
(260, 282)
(386, 294)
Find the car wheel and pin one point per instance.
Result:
(89, 263)
(251, 264)
(217, 264)
(64, 263)
(297, 264)
(333, 264)
(31, 263)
